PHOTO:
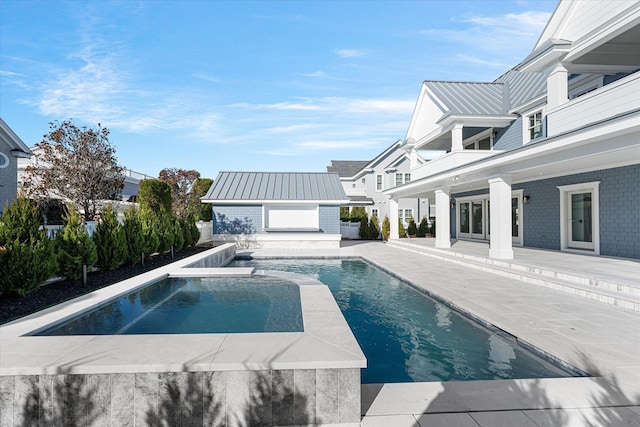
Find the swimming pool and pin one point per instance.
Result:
(409, 337)
(194, 306)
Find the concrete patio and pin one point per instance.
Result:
(594, 334)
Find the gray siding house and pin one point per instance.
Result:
(548, 154)
(11, 149)
(277, 209)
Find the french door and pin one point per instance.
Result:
(580, 219)
(474, 217)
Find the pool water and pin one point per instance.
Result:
(192, 306)
(407, 336)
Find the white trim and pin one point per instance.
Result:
(313, 211)
(519, 194)
(6, 161)
(381, 182)
(282, 202)
(593, 187)
(526, 134)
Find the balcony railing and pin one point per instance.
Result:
(604, 103)
(449, 161)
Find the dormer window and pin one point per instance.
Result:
(535, 126)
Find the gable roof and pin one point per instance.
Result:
(257, 187)
(9, 137)
(469, 98)
(347, 168)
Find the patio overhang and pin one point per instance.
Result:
(613, 143)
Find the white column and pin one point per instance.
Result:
(500, 245)
(456, 138)
(443, 220)
(393, 219)
(413, 159)
(557, 87)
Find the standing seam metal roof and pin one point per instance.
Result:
(292, 186)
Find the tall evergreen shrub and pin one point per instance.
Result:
(423, 228)
(401, 231)
(374, 227)
(134, 235)
(27, 257)
(74, 247)
(110, 240)
(386, 228)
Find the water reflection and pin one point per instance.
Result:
(178, 306)
(407, 336)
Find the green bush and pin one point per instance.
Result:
(190, 231)
(401, 231)
(150, 229)
(363, 231)
(154, 196)
(134, 235)
(74, 247)
(374, 227)
(412, 230)
(423, 228)
(358, 214)
(166, 232)
(195, 208)
(27, 257)
(433, 227)
(386, 228)
(344, 214)
(110, 240)
(178, 235)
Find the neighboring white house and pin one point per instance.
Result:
(277, 209)
(364, 182)
(547, 155)
(12, 149)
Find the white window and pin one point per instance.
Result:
(291, 217)
(480, 141)
(535, 126)
(379, 183)
(405, 215)
(402, 178)
(374, 212)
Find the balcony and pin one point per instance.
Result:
(449, 161)
(604, 103)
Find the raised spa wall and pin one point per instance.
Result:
(266, 379)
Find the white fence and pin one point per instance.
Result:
(350, 230)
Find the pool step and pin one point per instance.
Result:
(618, 294)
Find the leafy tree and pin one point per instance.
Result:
(74, 247)
(27, 256)
(423, 229)
(134, 235)
(181, 182)
(154, 197)
(110, 240)
(198, 210)
(78, 164)
(412, 230)
(386, 228)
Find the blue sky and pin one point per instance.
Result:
(247, 85)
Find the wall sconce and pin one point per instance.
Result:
(525, 199)
(453, 204)
(363, 180)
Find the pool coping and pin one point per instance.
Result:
(326, 343)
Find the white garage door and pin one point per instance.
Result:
(291, 217)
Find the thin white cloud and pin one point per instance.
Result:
(350, 53)
(493, 38)
(278, 106)
(206, 77)
(5, 73)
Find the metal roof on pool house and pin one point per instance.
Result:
(259, 187)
